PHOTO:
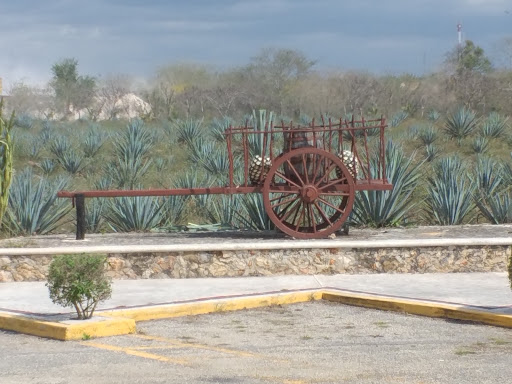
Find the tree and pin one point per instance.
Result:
(72, 91)
(470, 57)
(272, 73)
(469, 81)
(112, 89)
(178, 88)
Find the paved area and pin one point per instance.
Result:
(315, 342)
(495, 234)
(490, 291)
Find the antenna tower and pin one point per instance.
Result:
(459, 42)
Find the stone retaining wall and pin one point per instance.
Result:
(277, 262)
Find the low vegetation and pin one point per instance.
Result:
(448, 150)
(79, 281)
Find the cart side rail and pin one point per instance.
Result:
(362, 140)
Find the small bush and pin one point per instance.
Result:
(79, 281)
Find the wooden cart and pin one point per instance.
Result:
(308, 175)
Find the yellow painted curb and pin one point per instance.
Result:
(96, 327)
(210, 306)
(122, 322)
(421, 308)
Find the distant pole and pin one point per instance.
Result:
(459, 37)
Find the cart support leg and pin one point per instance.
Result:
(80, 216)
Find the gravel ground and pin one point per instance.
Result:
(194, 237)
(317, 342)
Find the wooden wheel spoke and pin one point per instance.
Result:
(301, 217)
(292, 167)
(332, 183)
(289, 211)
(316, 168)
(331, 205)
(285, 202)
(305, 168)
(287, 179)
(312, 217)
(327, 172)
(281, 197)
(337, 194)
(322, 213)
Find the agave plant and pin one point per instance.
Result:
(93, 142)
(433, 115)
(480, 145)
(389, 208)
(450, 192)
(188, 130)
(133, 213)
(431, 152)
(489, 175)
(160, 163)
(211, 157)
(257, 145)
(493, 196)
(460, 124)
(495, 125)
(34, 147)
(398, 118)
(131, 149)
(71, 161)
(220, 209)
(428, 135)
(217, 128)
(47, 133)
(191, 179)
(94, 214)
(497, 208)
(104, 183)
(47, 166)
(60, 145)
(173, 210)
(135, 142)
(33, 204)
(252, 213)
(126, 172)
(24, 121)
(304, 119)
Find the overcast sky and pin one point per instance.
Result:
(138, 36)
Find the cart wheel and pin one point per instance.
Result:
(305, 195)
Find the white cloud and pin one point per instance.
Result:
(485, 5)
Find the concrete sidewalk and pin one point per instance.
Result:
(488, 290)
(483, 297)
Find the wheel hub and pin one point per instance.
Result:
(309, 193)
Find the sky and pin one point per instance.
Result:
(136, 37)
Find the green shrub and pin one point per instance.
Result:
(79, 281)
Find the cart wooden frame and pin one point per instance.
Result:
(308, 175)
